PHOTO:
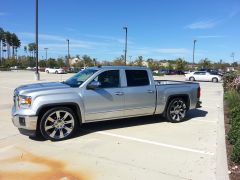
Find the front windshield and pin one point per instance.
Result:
(79, 78)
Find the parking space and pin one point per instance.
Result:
(136, 148)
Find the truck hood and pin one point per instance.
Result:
(28, 88)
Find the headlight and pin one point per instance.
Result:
(24, 101)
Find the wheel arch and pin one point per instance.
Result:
(76, 109)
(185, 97)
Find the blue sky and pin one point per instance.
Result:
(159, 29)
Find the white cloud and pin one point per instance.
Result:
(108, 38)
(60, 39)
(204, 24)
(234, 12)
(172, 51)
(3, 14)
(209, 36)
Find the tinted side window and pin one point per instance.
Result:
(137, 78)
(197, 73)
(109, 79)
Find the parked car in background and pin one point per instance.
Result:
(202, 76)
(213, 71)
(29, 68)
(14, 67)
(55, 70)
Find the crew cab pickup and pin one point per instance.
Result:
(57, 109)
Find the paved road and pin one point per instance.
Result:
(137, 148)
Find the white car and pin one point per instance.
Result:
(202, 76)
(55, 70)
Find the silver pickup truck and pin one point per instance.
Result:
(57, 109)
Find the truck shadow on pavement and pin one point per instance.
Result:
(129, 122)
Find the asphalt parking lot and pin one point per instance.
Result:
(136, 148)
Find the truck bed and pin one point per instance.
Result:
(169, 82)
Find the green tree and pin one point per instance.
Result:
(205, 63)
(32, 47)
(52, 63)
(42, 63)
(87, 61)
(16, 43)
(8, 40)
(170, 66)
(139, 61)
(60, 62)
(26, 50)
(180, 64)
(119, 61)
(1, 39)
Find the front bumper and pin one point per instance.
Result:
(27, 125)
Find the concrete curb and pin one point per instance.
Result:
(221, 154)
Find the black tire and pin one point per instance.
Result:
(56, 72)
(215, 80)
(176, 110)
(192, 79)
(55, 126)
(47, 71)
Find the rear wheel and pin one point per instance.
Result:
(176, 111)
(214, 80)
(56, 72)
(47, 71)
(58, 124)
(192, 79)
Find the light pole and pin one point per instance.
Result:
(46, 49)
(37, 75)
(233, 56)
(194, 42)
(125, 51)
(68, 53)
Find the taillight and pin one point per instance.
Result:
(198, 92)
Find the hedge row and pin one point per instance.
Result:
(232, 96)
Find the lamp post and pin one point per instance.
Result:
(125, 51)
(194, 42)
(37, 75)
(68, 57)
(233, 56)
(46, 49)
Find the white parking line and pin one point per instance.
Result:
(7, 87)
(7, 148)
(156, 143)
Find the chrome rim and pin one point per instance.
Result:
(178, 110)
(59, 124)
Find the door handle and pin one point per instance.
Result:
(119, 93)
(150, 91)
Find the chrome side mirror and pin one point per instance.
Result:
(93, 85)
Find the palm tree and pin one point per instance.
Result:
(1, 39)
(26, 50)
(32, 48)
(180, 64)
(8, 39)
(16, 43)
(205, 63)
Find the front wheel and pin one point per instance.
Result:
(215, 80)
(56, 72)
(58, 124)
(192, 79)
(176, 110)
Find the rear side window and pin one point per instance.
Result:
(137, 78)
(200, 73)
